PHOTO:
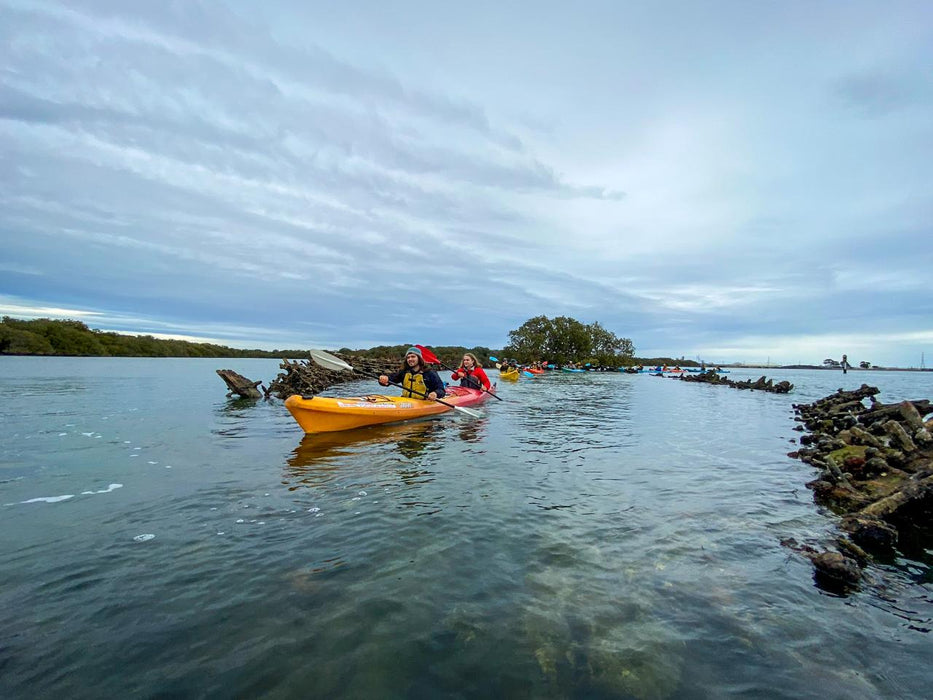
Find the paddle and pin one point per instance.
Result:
(328, 361)
(432, 358)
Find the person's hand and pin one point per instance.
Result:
(384, 380)
(433, 396)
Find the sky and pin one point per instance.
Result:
(727, 180)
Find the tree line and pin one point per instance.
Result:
(560, 340)
(449, 355)
(45, 336)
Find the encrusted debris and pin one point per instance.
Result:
(761, 384)
(876, 470)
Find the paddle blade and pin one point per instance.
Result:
(328, 361)
(493, 359)
(427, 355)
(468, 411)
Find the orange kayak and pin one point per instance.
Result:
(325, 414)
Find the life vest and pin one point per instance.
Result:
(469, 380)
(414, 386)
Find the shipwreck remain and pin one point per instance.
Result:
(876, 471)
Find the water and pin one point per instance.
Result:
(596, 535)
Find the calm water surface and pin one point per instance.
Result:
(591, 536)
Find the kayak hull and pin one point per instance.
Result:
(324, 414)
(512, 375)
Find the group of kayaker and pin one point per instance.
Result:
(418, 381)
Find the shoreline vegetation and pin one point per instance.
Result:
(70, 338)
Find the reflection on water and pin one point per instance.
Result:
(411, 439)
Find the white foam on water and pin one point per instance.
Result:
(240, 520)
(137, 448)
(126, 442)
(60, 434)
(313, 509)
(168, 466)
(88, 434)
(131, 456)
(46, 499)
(65, 497)
(144, 538)
(110, 488)
(151, 462)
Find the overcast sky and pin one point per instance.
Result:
(737, 181)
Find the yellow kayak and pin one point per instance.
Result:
(509, 374)
(324, 414)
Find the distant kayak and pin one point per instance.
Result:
(323, 414)
(509, 374)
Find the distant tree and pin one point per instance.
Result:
(564, 339)
(830, 363)
(530, 341)
(864, 364)
(570, 341)
(608, 349)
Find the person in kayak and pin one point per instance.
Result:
(416, 379)
(471, 374)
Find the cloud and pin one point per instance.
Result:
(187, 166)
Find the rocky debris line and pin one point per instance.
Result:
(761, 384)
(240, 385)
(306, 378)
(876, 470)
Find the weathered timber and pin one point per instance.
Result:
(762, 384)
(239, 385)
(876, 470)
(306, 378)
